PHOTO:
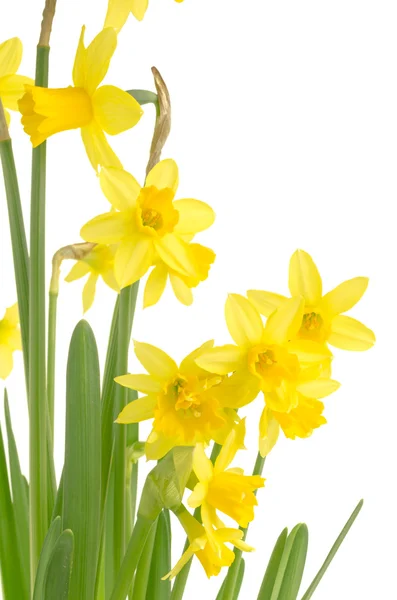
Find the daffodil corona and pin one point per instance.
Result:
(12, 86)
(119, 10)
(322, 319)
(182, 401)
(151, 228)
(10, 340)
(86, 106)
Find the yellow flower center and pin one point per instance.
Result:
(272, 365)
(156, 214)
(312, 327)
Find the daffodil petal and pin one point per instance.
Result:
(349, 334)
(97, 147)
(156, 361)
(227, 453)
(79, 67)
(115, 110)
(198, 495)
(139, 7)
(164, 175)
(10, 56)
(157, 446)
(6, 360)
(222, 359)
(119, 187)
(243, 321)
(133, 259)
(344, 296)
(304, 278)
(108, 228)
(118, 11)
(110, 280)
(238, 390)
(89, 292)
(194, 216)
(265, 302)
(142, 383)
(181, 290)
(189, 367)
(12, 88)
(175, 253)
(308, 351)
(186, 556)
(269, 430)
(79, 270)
(202, 465)
(138, 410)
(318, 388)
(98, 56)
(12, 315)
(284, 323)
(155, 286)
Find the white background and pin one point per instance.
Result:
(285, 121)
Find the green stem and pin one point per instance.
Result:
(145, 97)
(135, 547)
(52, 327)
(37, 356)
(179, 586)
(231, 580)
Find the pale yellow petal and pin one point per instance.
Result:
(115, 110)
(142, 383)
(304, 278)
(344, 296)
(6, 360)
(269, 430)
(198, 495)
(14, 340)
(89, 292)
(110, 280)
(243, 321)
(10, 56)
(164, 175)
(194, 216)
(202, 465)
(181, 290)
(308, 351)
(97, 147)
(189, 366)
(108, 228)
(117, 14)
(79, 270)
(221, 360)
(186, 556)
(265, 302)
(138, 410)
(175, 253)
(133, 259)
(98, 56)
(155, 285)
(227, 453)
(79, 67)
(156, 362)
(238, 390)
(119, 187)
(318, 388)
(139, 8)
(349, 334)
(12, 315)
(12, 88)
(157, 446)
(285, 322)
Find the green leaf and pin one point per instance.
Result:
(271, 572)
(292, 564)
(143, 569)
(240, 577)
(313, 586)
(52, 536)
(20, 501)
(161, 560)
(82, 468)
(57, 579)
(14, 583)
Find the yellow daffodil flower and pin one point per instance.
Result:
(219, 488)
(322, 319)
(86, 106)
(149, 226)
(211, 551)
(182, 401)
(10, 340)
(264, 359)
(119, 10)
(201, 256)
(98, 263)
(12, 86)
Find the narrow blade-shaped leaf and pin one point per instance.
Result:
(161, 560)
(289, 574)
(82, 469)
(141, 580)
(272, 568)
(51, 539)
(57, 579)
